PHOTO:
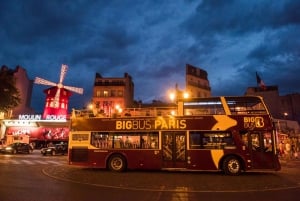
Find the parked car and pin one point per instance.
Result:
(17, 147)
(55, 149)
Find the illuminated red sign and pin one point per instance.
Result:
(40, 133)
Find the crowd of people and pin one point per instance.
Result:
(289, 148)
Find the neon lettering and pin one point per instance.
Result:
(30, 117)
(56, 117)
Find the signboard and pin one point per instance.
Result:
(39, 133)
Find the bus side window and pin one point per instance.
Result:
(255, 141)
(210, 140)
(244, 138)
(149, 140)
(195, 142)
(267, 142)
(99, 140)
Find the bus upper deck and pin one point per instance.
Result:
(223, 105)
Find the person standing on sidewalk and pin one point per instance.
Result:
(287, 150)
(281, 149)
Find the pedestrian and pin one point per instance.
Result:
(287, 150)
(281, 149)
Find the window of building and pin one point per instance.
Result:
(113, 93)
(120, 93)
(105, 93)
(98, 93)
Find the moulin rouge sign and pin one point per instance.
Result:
(39, 117)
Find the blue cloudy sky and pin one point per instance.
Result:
(152, 40)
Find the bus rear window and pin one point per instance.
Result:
(80, 137)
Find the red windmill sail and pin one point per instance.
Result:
(57, 96)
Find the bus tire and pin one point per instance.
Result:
(232, 166)
(117, 163)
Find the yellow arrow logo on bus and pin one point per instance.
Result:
(223, 122)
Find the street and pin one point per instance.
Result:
(35, 177)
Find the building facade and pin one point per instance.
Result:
(111, 95)
(24, 85)
(196, 82)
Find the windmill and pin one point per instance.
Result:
(57, 96)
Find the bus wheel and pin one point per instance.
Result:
(117, 163)
(232, 166)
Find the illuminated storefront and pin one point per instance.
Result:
(34, 129)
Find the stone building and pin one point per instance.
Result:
(196, 82)
(112, 94)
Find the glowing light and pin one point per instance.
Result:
(172, 96)
(185, 95)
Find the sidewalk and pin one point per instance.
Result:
(289, 163)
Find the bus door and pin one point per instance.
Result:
(174, 149)
(261, 146)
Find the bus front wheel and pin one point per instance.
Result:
(117, 163)
(232, 166)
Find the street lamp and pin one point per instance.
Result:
(172, 96)
(185, 95)
(118, 108)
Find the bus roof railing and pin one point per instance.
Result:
(127, 112)
(228, 105)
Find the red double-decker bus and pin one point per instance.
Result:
(229, 134)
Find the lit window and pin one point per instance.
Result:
(105, 93)
(120, 93)
(98, 94)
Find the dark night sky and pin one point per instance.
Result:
(152, 40)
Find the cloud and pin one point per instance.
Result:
(153, 41)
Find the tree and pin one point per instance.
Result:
(9, 94)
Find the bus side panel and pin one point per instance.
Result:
(142, 159)
(209, 159)
(203, 159)
(97, 158)
(135, 159)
